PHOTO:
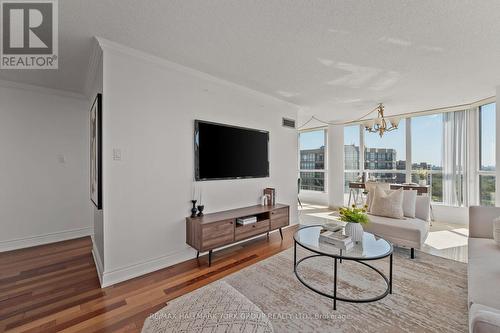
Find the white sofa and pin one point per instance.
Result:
(483, 271)
(409, 233)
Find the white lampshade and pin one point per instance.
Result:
(395, 121)
(378, 121)
(368, 123)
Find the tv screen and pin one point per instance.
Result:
(225, 152)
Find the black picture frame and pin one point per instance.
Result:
(95, 147)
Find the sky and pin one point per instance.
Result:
(427, 138)
(488, 135)
(312, 140)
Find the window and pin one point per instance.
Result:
(487, 154)
(312, 160)
(351, 155)
(427, 153)
(385, 157)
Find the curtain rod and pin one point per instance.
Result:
(458, 107)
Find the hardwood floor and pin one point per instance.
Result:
(54, 287)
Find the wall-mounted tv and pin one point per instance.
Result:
(229, 152)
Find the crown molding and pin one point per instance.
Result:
(92, 67)
(116, 47)
(41, 89)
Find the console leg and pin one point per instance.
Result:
(209, 258)
(412, 253)
(281, 234)
(197, 254)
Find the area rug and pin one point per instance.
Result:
(429, 294)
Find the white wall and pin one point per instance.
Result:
(95, 82)
(149, 110)
(497, 149)
(44, 167)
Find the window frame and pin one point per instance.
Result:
(325, 159)
(408, 171)
(479, 171)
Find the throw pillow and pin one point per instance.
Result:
(409, 202)
(496, 230)
(423, 207)
(388, 204)
(370, 187)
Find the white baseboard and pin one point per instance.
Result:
(135, 270)
(97, 260)
(21, 243)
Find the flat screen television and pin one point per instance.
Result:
(229, 152)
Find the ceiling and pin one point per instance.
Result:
(336, 59)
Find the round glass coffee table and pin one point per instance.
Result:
(370, 248)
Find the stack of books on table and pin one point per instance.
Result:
(246, 220)
(336, 239)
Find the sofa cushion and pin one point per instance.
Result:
(484, 319)
(388, 204)
(484, 272)
(409, 200)
(407, 233)
(409, 203)
(423, 207)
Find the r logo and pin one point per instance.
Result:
(27, 28)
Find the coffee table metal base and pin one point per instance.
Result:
(337, 261)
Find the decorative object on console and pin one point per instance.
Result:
(193, 210)
(246, 220)
(200, 210)
(264, 200)
(496, 230)
(422, 176)
(96, 152)
(271, 193)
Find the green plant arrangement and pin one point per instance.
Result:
(354, 214)
(422, 174)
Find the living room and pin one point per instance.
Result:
(249, 166)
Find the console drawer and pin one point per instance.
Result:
(279, 213)
(217, 234)
(279, 222)
(249, 230)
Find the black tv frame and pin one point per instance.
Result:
(196, 152)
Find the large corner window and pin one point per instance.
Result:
(312, 162)
(487, 155)
(385, 157)
(427, 153)
(352, 170)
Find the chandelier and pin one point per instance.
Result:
(380, 125)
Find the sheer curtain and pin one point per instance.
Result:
(460, 158)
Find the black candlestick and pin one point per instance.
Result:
(193, 210)
(200, 210)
